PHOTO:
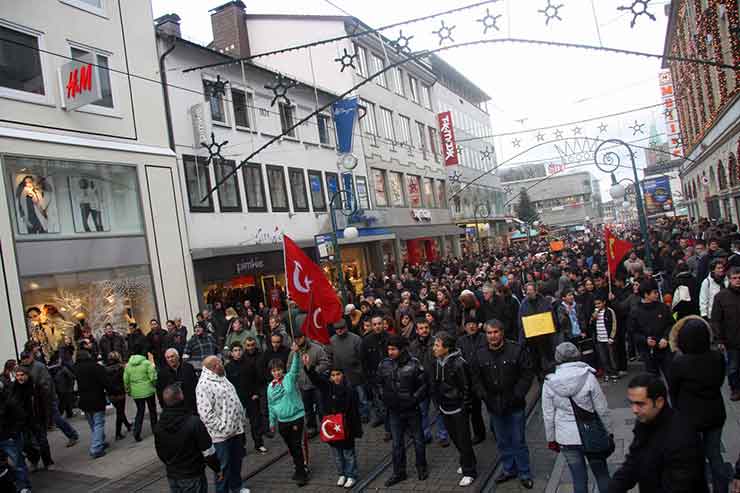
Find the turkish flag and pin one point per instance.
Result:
(310, 289)
(616, 249)
(332, 428)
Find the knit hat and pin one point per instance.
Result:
(567, 352)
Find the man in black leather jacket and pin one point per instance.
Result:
(502, 374)
(374, 350)
(452, 390)
(403, 385)
(650, 323)
(468, 345)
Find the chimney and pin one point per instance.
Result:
(229, 26)
(168, 24)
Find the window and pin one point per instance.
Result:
(332, 187)
(255, 187)
(243, 103)
(368, 121)
(278, 192)
(386, 120)
(103, 74)
(198, 182)
(398, 84)
(20, 62)
(428, 191)
(216, 103)
(404, 130)
(381, 196)
(298, 189)
(395, 180)
(433, 141)
(287, 119)
(361, 53)
(422, 135)
(414, 88)
(362, 196)
(316, 186)
(323, 124)
(228, 192)
(413, 188)
(94, 6)
(426, 96)
(378, 65)
(441, 194)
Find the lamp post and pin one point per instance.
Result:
(610, 164)
(349, 233)
(476, 208)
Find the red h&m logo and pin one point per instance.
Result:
(80, 80)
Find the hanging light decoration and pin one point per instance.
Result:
(489, 21)
(638, 8)
(347, 60)
(551, 12)
(280, 89)
(401, 43)
(444, 33)
(214, 149)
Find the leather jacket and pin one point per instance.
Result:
(403, 383)
(451, 384)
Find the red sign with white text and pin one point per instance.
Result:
(447, 134)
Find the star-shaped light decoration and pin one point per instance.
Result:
(540, 137)
(489, 21)
(214, 149)
(637, 128)
(216, 87)
(551, 12)
(486, 153)
(347, 60)
(558, 134)
(638, 8)
(508, 189)
(668, 113)
(516, 142)
(602, 128)
(455, 176)
(280, 88)
(444, 33)
(577, 131)
(401, 43)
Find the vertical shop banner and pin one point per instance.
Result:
(349, 187)
(657, 195)
(344, 112)
(447, 134)
(673, 126)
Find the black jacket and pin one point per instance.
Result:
(157, 344)
(92, 383)
(114, 342)
(32, 400)
(180, 438)
(666, 456)
(502, 377)
(421, 349)
(469, 344)
(185, 374)
(246, 376)
(726, 317)
(374, 351)
(116, 389)
(451, 387)
(685, 308)
(650, 320)
(137, 343)
(403, 383)
(339, 399)
(282, 354)
(12, 416)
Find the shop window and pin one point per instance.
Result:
(428, 190)
(20, 63)
(441, 194)
(198, 182)
(413, 189)
(298, 189)
(332, 187)
(316, 186)
(322, 121)
(63, 198)
(228, 192)
(287, 119)
(368, 121)
(278, 190)
(103, 74)
(363, 198)
(255, 187)
(243, 103)
(379, 186)
(395, 182)
(215, 102)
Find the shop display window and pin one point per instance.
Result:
(316, 186)
(428, 191)
(413, 188)
(65, 199)
(362, 195)
(395, 182)
(381, 196)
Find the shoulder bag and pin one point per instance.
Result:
(595, 439)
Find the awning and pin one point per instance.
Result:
(426, 231)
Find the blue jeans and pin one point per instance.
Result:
(96, 421)
(401, 424)
(346, 461)
(733, 369)
(577, 465)
(189, 485)
(14, 448)
(716, 464)
(362, 400)
(230, 454)
(62, 423)
(511, 443)
(427, 426)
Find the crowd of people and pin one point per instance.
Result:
(422, 353)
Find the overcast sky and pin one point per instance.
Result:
(540, 85)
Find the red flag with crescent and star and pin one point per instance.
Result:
(332, 428)
(616, 249)
(310, 289)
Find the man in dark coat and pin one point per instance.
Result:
(112, 341)
(541, 347)
(374, 350)
(421, 349)
(666, 453)
(136, 341)
(177, 371)
(345, 351)
(92, 383)
(650, 323)
(157, 340)
(11, 437)
(244, 371)
(726, 326)
(468, 344)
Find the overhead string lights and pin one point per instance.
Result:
(577, 130)
(486, 153)
(638, 8)
(454, 176)
(444, 33)
(602, 128)
(401, 43)
(280, 88)
(558, 134)
(489, 21)
(637, 128)
(347, 60)
(516, 142)
(551, 12)
(540, 137)
(214, 149)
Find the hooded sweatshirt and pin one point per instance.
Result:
(576, 381)
(219, 406)
(139, 377)
(183, 444)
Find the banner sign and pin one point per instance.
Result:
(344, 112)
(349, 187)
(657, 195)
(673, 127)
(80, 84)
(447, 134)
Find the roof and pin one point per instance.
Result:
(439, 65)
(301, 16)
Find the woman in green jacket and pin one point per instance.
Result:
(139, 380)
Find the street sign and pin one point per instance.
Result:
(80, 83)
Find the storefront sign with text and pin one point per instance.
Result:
(421, 214)
(447, 134)
(81, 84)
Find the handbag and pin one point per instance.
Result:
(332, 428)
(595, 439)
(588, 350)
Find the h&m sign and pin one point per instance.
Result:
(80, 83)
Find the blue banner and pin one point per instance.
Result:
(657, 195)
(345, 115)
(348, 185)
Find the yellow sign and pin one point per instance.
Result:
(538, 325)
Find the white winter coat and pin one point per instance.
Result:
(576, 380)
(219, 406)
(707, 292)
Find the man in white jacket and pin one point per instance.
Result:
(710, 286)
(222, 413)
(574, 380)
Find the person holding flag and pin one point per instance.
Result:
(616, 249)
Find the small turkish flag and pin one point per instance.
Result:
(332, 428)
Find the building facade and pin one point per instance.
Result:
(92, 228)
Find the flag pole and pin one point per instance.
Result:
(287, 288)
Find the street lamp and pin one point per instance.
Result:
(610, 164)
(350, 232)
(476, 208)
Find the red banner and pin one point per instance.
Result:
(616, 249)
(447, 134)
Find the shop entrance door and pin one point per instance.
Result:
(268, 282)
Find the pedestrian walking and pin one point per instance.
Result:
(726, 326)
(200, 346)
(112, 341)
(650, 323)
(421, 349)
(541, 347)
(139, 380)
(345, 353)
(374, 350)
(12, 420)
(92, 384)
(468, 344)
(603, 326)
(32, 399)
(245, 374)
(117, 391)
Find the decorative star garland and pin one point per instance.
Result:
(508, 189)
(516, 142)
(602, 128)
(401, 43)
(638, 8)
(540, 137)
(551, 12)
(280, 88)
(558, 134)
(577, 131)
(444, 33)
(455, 176)
(216, 87)
(214, 149)
(668, 113)
(486, 153)
(347, 60)
(489, 21)
(637, 128)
